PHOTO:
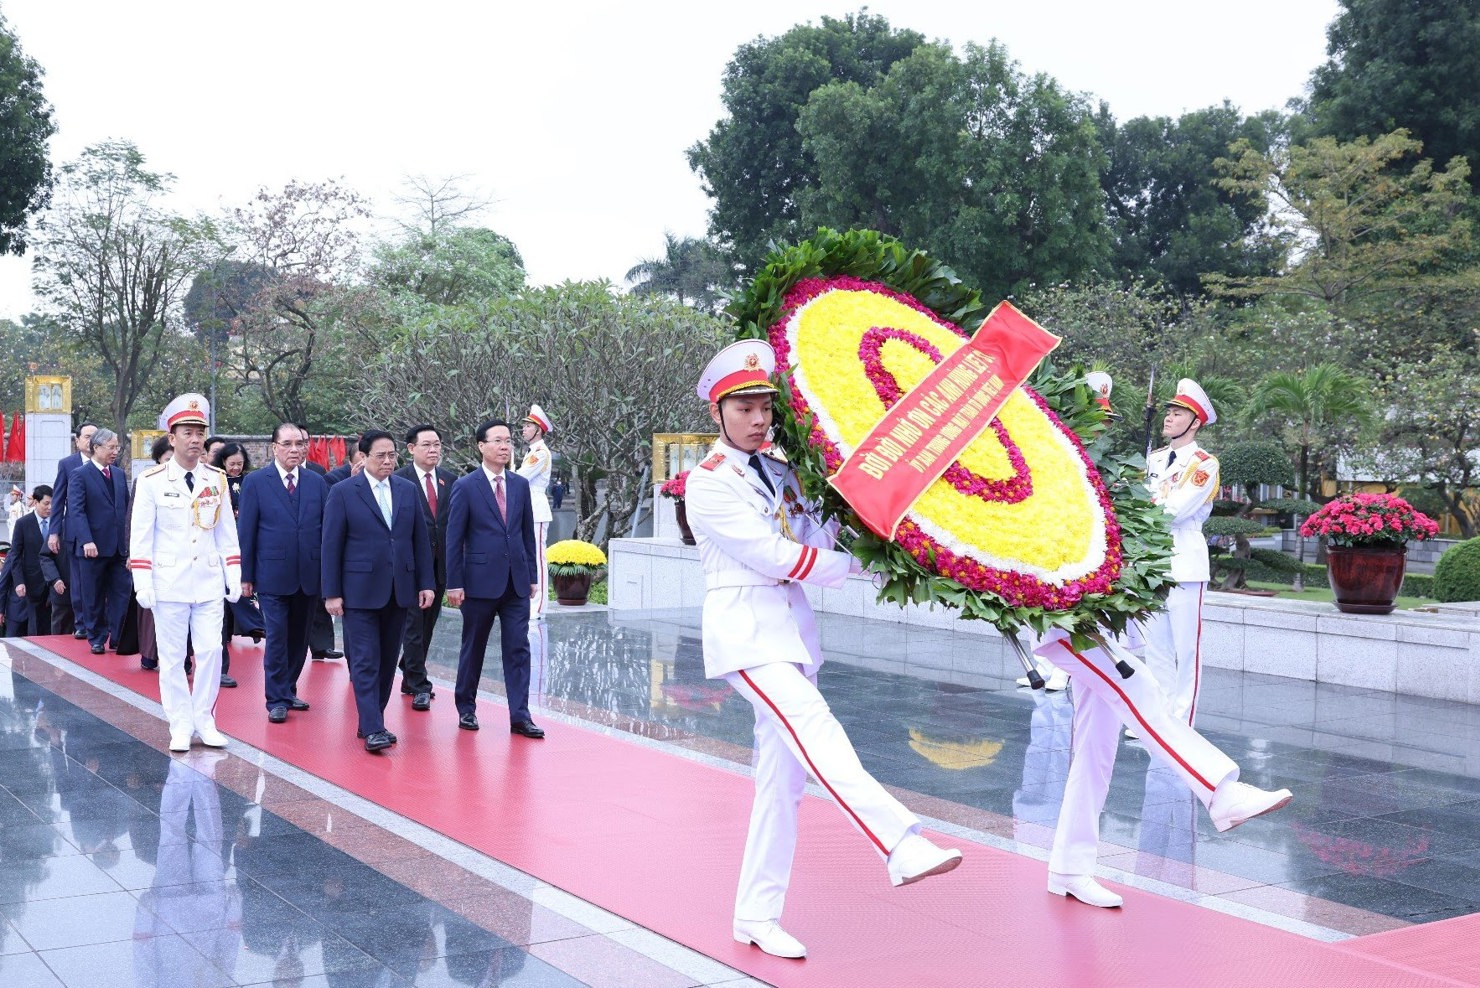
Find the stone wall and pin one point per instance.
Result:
(1434, 652)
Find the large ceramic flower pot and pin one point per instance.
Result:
(681, 515)
(573, 590)
(1366, 578)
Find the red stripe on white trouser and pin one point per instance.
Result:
(1137, 702)
(1102, 702)
(796, 733)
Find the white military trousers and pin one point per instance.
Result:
(1102, 703)
(1174, 649)
(189, 708)
(797, 734)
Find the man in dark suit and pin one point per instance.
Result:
(97, 519)
(71, 617)
(321, 625)
(377, 563)
(490, 574)
(27, 541)
(281, 528)
(424, 444)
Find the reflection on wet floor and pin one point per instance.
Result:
(121, 865)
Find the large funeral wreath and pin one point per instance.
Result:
(1036, 524)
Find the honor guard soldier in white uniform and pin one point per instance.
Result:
(1183, 479)
(536, 469)
(184, 556)
(758, 543)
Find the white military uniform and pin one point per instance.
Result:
(536, 469)
(1102, 703)
(760, 635)
(1186, 487)
(184, 554)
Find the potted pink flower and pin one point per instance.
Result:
(673, 488)
(1367, 539)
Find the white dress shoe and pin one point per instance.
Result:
(768, 935)
(1237, 802)
(1022, 681)
(1058, 680)
(179, 741)
(915, 858)
(1085, 889)
(211, 738)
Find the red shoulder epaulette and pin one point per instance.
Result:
(1202, 454)
(715, 459)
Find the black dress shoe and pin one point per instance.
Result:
(96, 649)
(228, 682)
(379, 741)
(149, 665)
(333, 653)
(79, 634)
(297, 704)
(277, 715)
(468, 722)
(361, 735)
(421, 701)
(527, 729)
(256, 638)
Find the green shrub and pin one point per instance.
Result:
(1280, 562)
(1457, 576)
(1417, 585)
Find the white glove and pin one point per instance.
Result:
(234, 592)
(145, 599)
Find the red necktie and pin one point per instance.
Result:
(498, 495)
(431, 495)
(107, 474)
(292, 487)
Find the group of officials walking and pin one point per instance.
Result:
(378, 547)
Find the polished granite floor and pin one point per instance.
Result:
(120, 865)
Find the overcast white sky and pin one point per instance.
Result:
(574, 117)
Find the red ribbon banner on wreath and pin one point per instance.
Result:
(927, 430)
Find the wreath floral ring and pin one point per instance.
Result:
(1030, 526)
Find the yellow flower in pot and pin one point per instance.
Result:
(574, 565)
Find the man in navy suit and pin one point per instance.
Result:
(281, 527)
(31, 569)
(97, 516)
(490, 574)
(71, 617)
(377, 563)
(434, 484)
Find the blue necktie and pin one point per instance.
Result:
(383, 495)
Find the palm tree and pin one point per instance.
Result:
(1312, 409)
(690, 270)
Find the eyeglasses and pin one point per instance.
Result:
(433, 445)
(497, 442)
(293, 444)
(388, 455)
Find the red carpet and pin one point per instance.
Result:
(657, 839)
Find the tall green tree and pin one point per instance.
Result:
(25, 127)
(753, 163)
(447, 264)
(1170, 223)
(966, 157)
(691, 270)
(1349, 225)
(112, 265)
(1400, 64)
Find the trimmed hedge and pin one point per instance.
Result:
(1457, 574)
(1414, 584)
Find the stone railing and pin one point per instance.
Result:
(1434, 652)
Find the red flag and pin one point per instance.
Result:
(4, 447)
(319, 451)
(338, 447)
(927, 429)
(15, 451)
